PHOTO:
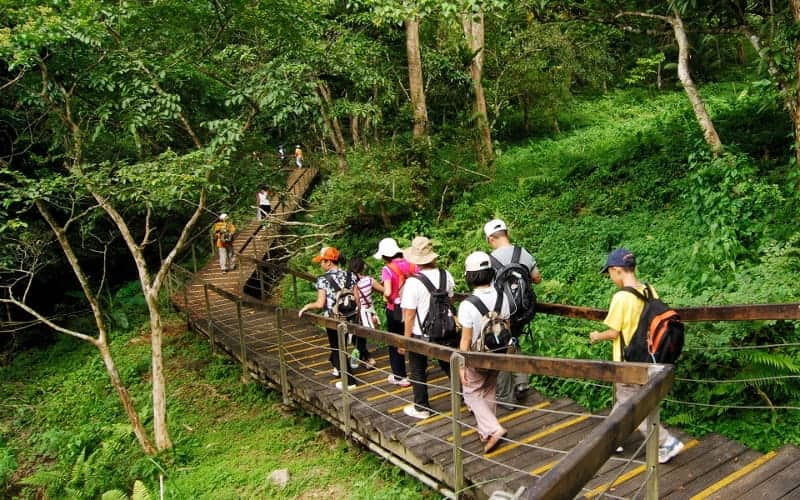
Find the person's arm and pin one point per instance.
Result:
(536, 276)
(609, 334)
(466, 340)
(409, 315)
(317, 304)
(376, 285)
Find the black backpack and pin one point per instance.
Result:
(514, 281)
(495, 333)
(659, 335)
(345, 304)
(439, 324)
(225, 234)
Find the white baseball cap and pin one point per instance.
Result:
(223, 216)
(494, 226)
(387, 248)
(477, 261)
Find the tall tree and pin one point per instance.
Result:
(473, 25)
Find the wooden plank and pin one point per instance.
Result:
(751, 477)
(780, 484)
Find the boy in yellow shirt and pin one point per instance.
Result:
(622, 320)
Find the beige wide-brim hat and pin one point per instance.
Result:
(420, 252)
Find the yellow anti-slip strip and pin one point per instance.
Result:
(508, 417)
(755, 464)
(631, 474)
(538, 435)
(438, 417)
(405, 389)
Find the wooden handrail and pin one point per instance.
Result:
(579, 466)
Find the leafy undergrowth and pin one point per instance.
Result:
(63, 434)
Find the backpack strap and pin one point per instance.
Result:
(645, 297)
(332, 283)
(516, 254)
(496, 264)
(478, 303)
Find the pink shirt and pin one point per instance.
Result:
(406, 268)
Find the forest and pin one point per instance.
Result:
(671, 128)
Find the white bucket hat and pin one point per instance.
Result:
(387, 248)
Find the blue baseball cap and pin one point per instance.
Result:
(621, 257)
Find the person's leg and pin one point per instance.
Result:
(418, 364)
(505, 387)
(479, 396)
(396, 360)
(230, 257)
(361, 345)
(223, 258)
(333, 342)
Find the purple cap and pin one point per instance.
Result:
(621, 257)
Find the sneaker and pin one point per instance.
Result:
(354, 358)
(671, 448)
(335, 372)
(349, 387)
(412, 411)
(620, 449)
(520, 390)
(402, 382)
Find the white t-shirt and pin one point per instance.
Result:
(470, 317)
(416, 296)
(263, 198)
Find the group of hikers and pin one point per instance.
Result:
(418, 296)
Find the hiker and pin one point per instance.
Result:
(224, 232)
(479, 385)
(622, 319)
(367, 315)
(263, 204)
(282, 155)
(393, 276)
(416, 304)
(328, 284)
(511, 386)
(298, 156)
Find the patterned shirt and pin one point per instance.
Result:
(345, 279)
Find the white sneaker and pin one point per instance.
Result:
(349, 387)
(412, 411)
(402, 382)
(671, 448)
(620, 449)
(335, 372)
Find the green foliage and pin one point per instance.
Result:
(645, 68)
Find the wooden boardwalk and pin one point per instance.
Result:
(541, 431)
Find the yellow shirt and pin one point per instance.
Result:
(623, 316)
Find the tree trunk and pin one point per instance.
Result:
(332, 124)
(794, 106)
(101, 342)
(354, 131)
(474, 34)
(700, 112)
(415, 81)
(125, 398)
(160, 428)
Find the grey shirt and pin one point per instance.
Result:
(504, 254)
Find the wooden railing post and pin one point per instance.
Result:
(284, 378)
(341, 331)
(456, 363)
(194, 259)
(186, 304)
(260, 273)
(209, 324)
(294, 290)
(653, 420)
(243, 350)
